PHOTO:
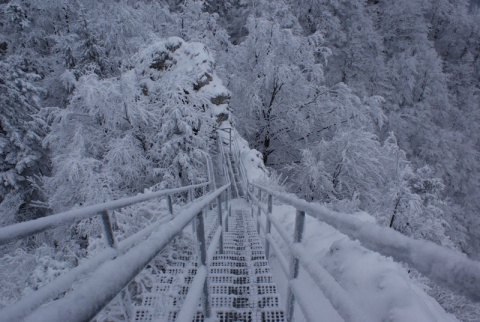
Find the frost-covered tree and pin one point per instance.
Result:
(152, 124)
(175, 80)
(356, 46)
(347, 167)
(412, 203)
(456, 39)
(85, 138)
(21, 131)
(278, 85)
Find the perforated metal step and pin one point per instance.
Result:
(173, 274)
(240, 283)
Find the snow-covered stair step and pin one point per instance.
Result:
(165, 295)
(240, 282)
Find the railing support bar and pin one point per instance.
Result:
(107, 227)
(294, 263)
(230, 139)
(269, 226)
(220, 221)
(228, 217)
(203, 259)
(259, 210)
(229, 196)
(170, 205)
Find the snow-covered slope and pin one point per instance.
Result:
(379, 285)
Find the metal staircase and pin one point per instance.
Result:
(171, 282)
(220, 271)
(235, 175)
(240, 283)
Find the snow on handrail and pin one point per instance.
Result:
(61, 284)
(31, 227)
(337, 296)
(239, 161)
(444, 266)
(107, 281)
(189, 306)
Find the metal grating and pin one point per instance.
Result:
(239, 280)
(167, 293)
(234, 316)
(272, 316)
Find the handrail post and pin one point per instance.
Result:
(212, 175)
(107, 227)
(190, 197)
(220, 221)
(269, 226)
(294, 263)
(170, 204)
(230, 139)
(203, 259)
(259, 214)
(227, 220)
(228, 198)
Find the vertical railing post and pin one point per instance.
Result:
(227, 220)
(259, 214)
(212, 175)
(107, 227)
(203, 259)
(220, 221)
(170, 204)
(269, 226)
(190, 199)
(294, 263)
(228, 197)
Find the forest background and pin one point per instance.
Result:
(365, 105)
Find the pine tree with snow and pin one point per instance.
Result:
(22, 158)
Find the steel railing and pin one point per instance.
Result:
(232, 142)
(442, 265)
(113, 268)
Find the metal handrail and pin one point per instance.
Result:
(82, 304)
(239, 160)
(31, 227)
(236, 153)
(225, 162)
(337, 296)
(457, 271)
(165, 229)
